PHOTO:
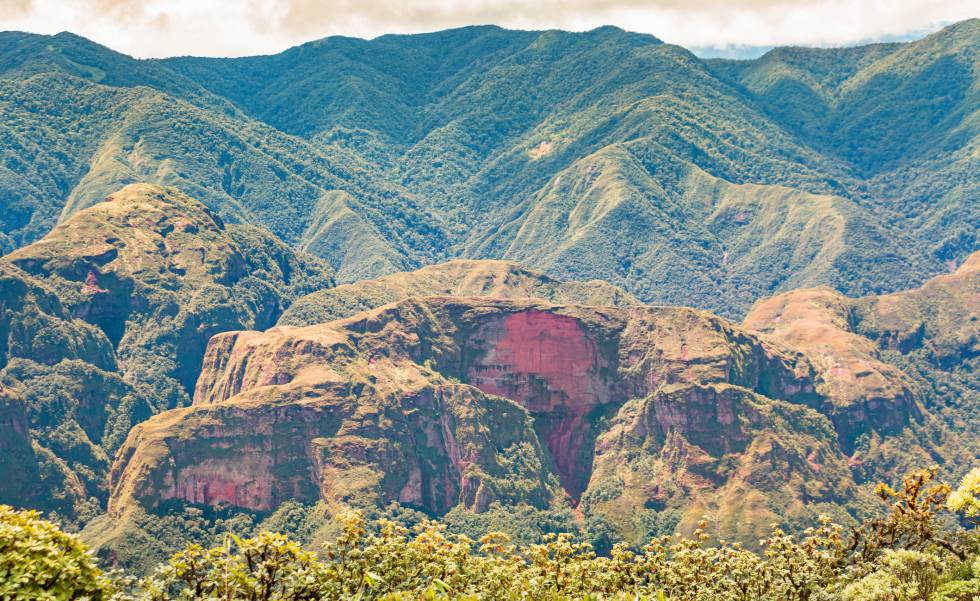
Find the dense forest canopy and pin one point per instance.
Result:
(603, 154)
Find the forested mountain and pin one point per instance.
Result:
(511, 280)
(604, 154)
(104, 323)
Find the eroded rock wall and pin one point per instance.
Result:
(643, 416)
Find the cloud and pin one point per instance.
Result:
(222, 27)
(307, 17)
(704, 22)
(16, 8)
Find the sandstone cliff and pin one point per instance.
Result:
(443, 401)
(900, 371)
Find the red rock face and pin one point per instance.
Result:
(549, 364)
(222, 486)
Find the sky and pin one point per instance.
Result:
(156, 28)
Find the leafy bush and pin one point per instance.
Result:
(39, 561)
(903, 556)
(966, 498)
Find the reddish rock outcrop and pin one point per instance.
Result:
(882, 363)
(860, 392)
(648, 417)
(691, 450)
(303, 415)
(551, 366)
(369, 409)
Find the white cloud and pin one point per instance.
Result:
(228, 28)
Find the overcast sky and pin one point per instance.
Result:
(155, 28)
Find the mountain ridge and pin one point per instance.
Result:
(149, 368)
(415, 165)
(824, 390)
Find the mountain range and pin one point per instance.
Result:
(530, 281)
(603, 154)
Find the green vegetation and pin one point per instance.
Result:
(603, 154)
(105, 321)
(39, 561)
(907, 554)
(966, 498)
(497, 279)
(644, 419)
(151, 208)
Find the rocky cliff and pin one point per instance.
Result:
(17, 458)
(629, 413)
(884, 362)
(104, 321)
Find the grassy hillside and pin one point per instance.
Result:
(598, 154)
(496, 279)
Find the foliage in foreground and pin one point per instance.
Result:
(906, 555)
(39, 561)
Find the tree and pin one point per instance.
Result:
(268, 567)
(39, 561)
(966, 498)
(911, 522)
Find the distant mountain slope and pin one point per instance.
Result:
(904, 117)
(104, 322)
(922, 343)
(80, 121)
(497, 279)
(602, 154)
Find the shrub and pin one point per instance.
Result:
(903, 556)
(39, 561)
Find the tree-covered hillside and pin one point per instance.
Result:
(913, 551)
(103, 323)
(600, 154)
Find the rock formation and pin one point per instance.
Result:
(443, 401)
(104, 321)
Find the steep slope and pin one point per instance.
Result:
(17, 459)
(583, 155)
(644, 418)
(480, 148)
(933, 334)
(922, 343)
(686, 237)
(605, 402)
(497, 279)
(902, 116)
(353, 87)
(160, 274)
(61, 393)
(105, 321)
(80, 121)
